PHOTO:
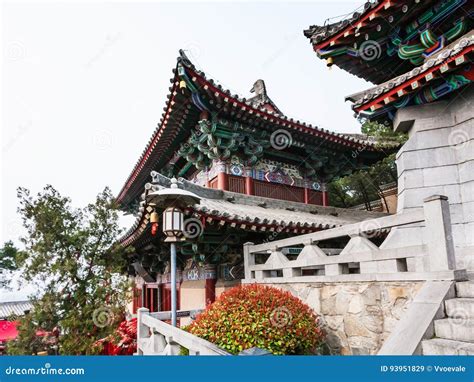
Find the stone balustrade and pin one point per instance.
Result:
(156, 337)
(361, 259)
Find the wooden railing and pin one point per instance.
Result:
(361, 259)
(236, 184)
(156, 337)
(278, 191)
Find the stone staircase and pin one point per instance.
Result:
(454, 335)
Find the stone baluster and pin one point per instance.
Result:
(249, 260)
(142, 330)
(439, 234)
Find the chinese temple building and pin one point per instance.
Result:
(260, 175)
(419, 55)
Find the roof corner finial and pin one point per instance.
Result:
(259, 88)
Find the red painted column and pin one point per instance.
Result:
(208, 183)
(306, 195)
(222, 181)
(249, 188)
(210, 291)
(324, 191)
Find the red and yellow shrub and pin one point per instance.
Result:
(265, 317)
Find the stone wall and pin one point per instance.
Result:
(438, 158)
(357, 317)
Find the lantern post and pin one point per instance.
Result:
(173, 200)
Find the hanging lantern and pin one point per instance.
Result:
(154, 229)
(182, 85)
(173, 224)
(329, 62)
(154, 217)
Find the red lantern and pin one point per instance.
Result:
(154, 228)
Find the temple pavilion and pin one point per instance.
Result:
(261, 175)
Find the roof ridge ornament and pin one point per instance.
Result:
(261, 98)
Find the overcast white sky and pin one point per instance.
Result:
(84, 84)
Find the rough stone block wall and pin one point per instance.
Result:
(357, 317)
(438, 158)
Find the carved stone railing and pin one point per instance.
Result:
(156, 337)
(361, 259)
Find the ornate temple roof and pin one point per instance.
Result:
(181, 114)
(454, 60)
(381, 39)
(245, 212)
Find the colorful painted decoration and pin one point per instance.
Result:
(236, 170)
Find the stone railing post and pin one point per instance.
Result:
(249, 259)
(142, 329)
(439, 235)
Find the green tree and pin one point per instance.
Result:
(365, 186)
(9, 255)
(73, 256)
(384, 134)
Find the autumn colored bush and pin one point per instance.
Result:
(259, 316)
(122, 342)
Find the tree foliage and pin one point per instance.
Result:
(73, 257)
(383, 134)
(9, 257)
(365, 186)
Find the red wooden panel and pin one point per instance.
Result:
(236, 184)
(279, 191)
(316, 197)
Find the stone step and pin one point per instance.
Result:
(465, 289)
(441, 346)
(459, 329)
(460, 307)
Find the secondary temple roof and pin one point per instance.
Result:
(417, 51)
(251, 213)
(192, 92)
(447, 71)
(383, 39)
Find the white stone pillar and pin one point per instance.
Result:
(439, 234)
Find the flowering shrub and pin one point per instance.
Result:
(122, 342)
(265, 317)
